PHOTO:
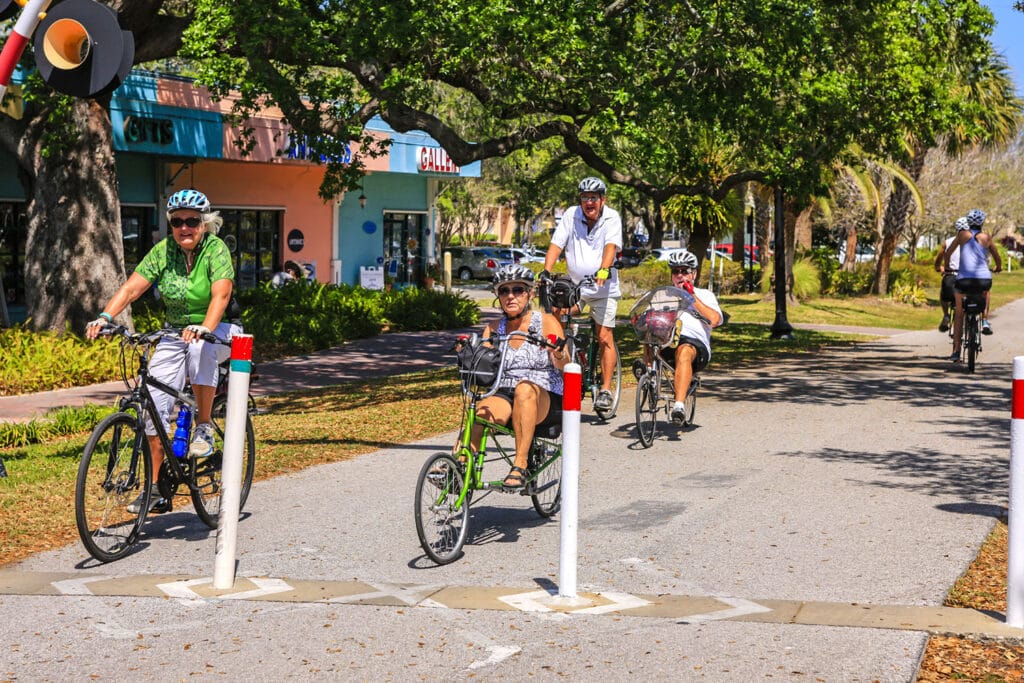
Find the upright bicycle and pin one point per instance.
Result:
(970, 340)
(562, 293)
(116, 466)
(447, 482)
(654, 321)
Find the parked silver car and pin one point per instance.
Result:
(476, 262)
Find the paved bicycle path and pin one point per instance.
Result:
(843, 481)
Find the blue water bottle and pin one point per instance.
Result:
(184, 422)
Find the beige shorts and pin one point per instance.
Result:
(603, 310)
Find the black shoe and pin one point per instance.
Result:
(944, 325)
(986, 328)
(639, 369)
(955, 358)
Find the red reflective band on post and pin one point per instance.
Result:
(572, 399)
(1017, 411)
(241, 347)
(10, 55)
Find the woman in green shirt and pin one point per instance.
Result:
(192, 269)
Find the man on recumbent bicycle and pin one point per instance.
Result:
(697, 314)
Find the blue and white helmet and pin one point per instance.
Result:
(962, 224)
(975, 218)
(188, 199)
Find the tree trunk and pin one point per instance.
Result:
(74, 255)
(894, 225)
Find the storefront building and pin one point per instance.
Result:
(169, 135)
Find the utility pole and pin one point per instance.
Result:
(781, 329)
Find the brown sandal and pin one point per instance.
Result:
(517, 475)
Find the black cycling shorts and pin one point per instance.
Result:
(554, 416)
(974, 285)
(947, 292)
(668, 354)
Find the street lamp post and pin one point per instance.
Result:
(781, 329)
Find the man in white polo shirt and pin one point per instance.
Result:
(590, 235)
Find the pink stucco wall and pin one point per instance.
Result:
(292, 187)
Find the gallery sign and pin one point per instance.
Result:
(435, 160)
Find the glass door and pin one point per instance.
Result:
(404, 247)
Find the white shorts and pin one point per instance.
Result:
(174, 361)
(603, 310)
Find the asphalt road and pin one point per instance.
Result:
(865, 476)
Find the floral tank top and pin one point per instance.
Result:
(530, 362)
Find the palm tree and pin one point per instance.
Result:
(990, 92)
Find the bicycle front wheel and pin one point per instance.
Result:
(646, 409)
(207, 486)
(615, 386)
(546, 485)
(115, 470)
(441, 523)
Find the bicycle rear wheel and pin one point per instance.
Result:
(647, 409)
(971, 341)
(546, 486)
(115, 469)
(615, 386)
(206, 472)
(441, 524)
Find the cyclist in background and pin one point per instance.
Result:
(590, 235)
(693, 341)
(193, 270)
(947, 292)
(530, 393)
(973, 275)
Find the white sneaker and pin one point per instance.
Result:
(202, 440)
(678, 413)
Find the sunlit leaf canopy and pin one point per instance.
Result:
(630, 87)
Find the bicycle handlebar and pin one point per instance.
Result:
(112, 330)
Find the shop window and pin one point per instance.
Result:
(252, 238)
(139, 233)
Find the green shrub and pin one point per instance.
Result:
(422, 309)
(650, 274)
(41, 361)
(806, 278)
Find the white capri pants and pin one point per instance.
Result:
(173, 361)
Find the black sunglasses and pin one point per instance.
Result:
(517, 290)
(682, 270)
(190, 222)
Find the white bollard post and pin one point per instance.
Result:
(1015, 521)
(571, 400)
(231, 471)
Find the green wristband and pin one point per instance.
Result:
(602, 274)
(106, 316)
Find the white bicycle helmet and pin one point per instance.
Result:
(962, 224)
(188, 199)
(682, 258)
(592, 184)
(512, 273)
(975, 218)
